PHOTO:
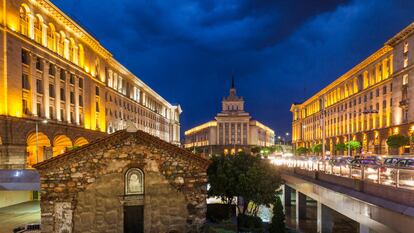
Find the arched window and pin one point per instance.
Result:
(61, 44)
(51, 37)
(81, 56)
(134, 182)
(38, 25)
(73, 51)
(24, 20)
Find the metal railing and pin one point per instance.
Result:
(399, 177)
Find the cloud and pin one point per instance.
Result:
(280, 51)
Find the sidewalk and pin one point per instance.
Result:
(18, 215)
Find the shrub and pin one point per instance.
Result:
(220, 212)
(247, 223)
(278, 220)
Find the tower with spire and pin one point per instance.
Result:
(232, 103)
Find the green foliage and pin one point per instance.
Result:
(220, 212)
(250, 177)
(301, 150)
(246, 223)
(353, 145)
(256, 149)
(340, 147)
(222, 177)
(397, 140)
(317, 148)
(278, 220)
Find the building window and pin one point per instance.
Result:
(405, 79)
(72, 97)
(134, 182)
(52, 91)
(25, 57)
(62, 114)
(25, 82)
(39, 64)
(97, 106)
(24, 21)
(25, 107)
(406, 47)
(384, 90)
(39, 86)
(80, 83)
(62, 94)
(51, 112)
(39, 109)
(62, 75)
(72, 79)
(97, 91)
(80, 101)
(52, 69)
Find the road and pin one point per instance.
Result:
(17, 215)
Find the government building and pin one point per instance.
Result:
(368, 103)
(55, 76)
(231, 131)
(61, 89)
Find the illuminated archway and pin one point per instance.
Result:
(51, 37)
(81, 141)
(41, 142)
(60, 144)
(24, 13)
(38, 28)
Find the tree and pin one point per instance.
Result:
(278, 220)
(242, 175)
(317, 148)
(301, 150)
(257, 184)
(353, 145)
(396, 141)
(256, 150)
(340, 147)
(222, 177)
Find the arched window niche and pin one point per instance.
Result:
(134, 182)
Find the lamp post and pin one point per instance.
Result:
(37, 139)
(287, 137)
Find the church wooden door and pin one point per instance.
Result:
(134, 219)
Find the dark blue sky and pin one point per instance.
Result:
(280, 51)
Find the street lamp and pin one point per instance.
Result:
(287, 138)
(37, 139)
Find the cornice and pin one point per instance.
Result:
(72, 26)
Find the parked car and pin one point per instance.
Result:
(405, 163)
(390, 162)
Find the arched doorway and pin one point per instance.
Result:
(60, 144)
(37, 148)
(81, 141)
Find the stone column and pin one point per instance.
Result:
(300, 206)
(324, 219)
(287, 196)
(46, 94)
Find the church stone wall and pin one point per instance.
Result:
(89, 184)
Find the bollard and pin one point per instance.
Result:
(362, 172)
(379, 175)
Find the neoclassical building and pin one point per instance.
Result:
(231, 131)
(56, 77)
(368, 103)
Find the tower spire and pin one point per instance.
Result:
(232, 81)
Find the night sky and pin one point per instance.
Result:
(280, 52)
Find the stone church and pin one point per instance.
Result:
(127, 182)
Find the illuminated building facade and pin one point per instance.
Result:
(368, 103)
(53, 69)
(232, 130)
